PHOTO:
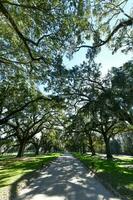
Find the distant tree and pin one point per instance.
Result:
(115, 147)
(78, 130)
(125, 140)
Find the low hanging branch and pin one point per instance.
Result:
(8, 116)
(12, 113)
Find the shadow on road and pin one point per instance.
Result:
(65, 179)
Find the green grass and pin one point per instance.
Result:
(118, 172)
(12, 168)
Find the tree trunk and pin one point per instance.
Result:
(93, 153)
(83, 148)
(107, 147)
(36, 150)
(21, 150)
(91, 146)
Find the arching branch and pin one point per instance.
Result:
(122, 24)
(24, 39)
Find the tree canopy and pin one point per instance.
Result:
(40, 31)
(77, 106)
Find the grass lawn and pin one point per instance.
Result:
(118, 172)
(12, 168)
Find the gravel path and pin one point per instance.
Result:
(65, 179)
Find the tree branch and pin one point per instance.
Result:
(26, 6)
(122, 24)
(21, 36)
(8, 61)
(5, 119)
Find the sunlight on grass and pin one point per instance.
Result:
(118, 172)
(12, 168)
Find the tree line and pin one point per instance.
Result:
(100, 107)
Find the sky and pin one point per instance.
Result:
(105, 57)
(108, 60)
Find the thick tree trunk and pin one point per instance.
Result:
(107, 147)
(21, 150)
(36, 148)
